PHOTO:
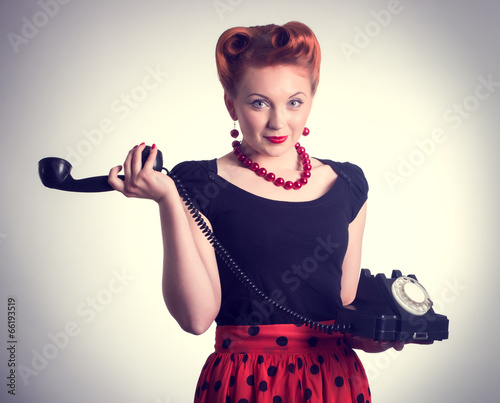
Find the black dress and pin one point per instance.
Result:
(293, 251)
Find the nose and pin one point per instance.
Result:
(277, 119)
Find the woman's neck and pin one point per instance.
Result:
(286, 162)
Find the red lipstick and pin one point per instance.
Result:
(277, 139)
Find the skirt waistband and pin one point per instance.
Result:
(275, 339)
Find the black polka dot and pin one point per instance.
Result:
(228, 399)
(260, 359)
(339, 342)
(271, 371)
(217, 362)
(314, 369)
(263, 386)
(217, 386)
(232, 381)
(313, 341)
(356, 366)
(299, 363)
(291, 368)
(204, 386)
(282, 341)
(300, 385)
(198, 391)
(253, 330)
(369, 392)
(226, 343)
(277, 399)
(245, 358)
(336, 358)
(232, 357)
(346, 353)
(321, 359)
(309, 393)
(339, 381)
(251, 380)
(360, 398)
(243, 401)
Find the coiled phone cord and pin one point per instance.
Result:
(237, 271)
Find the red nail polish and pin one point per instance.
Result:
(142, 144)
(153, 146)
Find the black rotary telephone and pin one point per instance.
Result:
(391, 309)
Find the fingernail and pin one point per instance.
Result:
(142, 144)
(153, 146)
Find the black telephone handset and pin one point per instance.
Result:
(55, 173)
(382, 309)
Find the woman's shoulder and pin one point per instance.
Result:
(357, 185)
(195, 169)
(349, 172)
(199, 179)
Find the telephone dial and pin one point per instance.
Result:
(392, 309)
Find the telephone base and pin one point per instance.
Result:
(377, 315)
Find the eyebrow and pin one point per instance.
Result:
(263, 96)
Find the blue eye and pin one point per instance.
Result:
(259, 103)
(296, 103)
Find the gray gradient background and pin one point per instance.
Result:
(60, 250)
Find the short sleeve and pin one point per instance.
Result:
(358, 187)
(197, 177)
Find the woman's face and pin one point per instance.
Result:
(272, 106)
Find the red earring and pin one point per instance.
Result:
(234, 133)
(305, 132)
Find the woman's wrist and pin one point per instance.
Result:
(165, 198)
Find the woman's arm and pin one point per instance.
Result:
(191, 286)
(350, 279)
(352, 261)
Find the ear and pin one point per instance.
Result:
(230, 106)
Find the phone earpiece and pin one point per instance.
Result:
(55, 173)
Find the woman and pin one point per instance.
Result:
(298, 238)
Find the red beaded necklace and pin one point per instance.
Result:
(269, 176)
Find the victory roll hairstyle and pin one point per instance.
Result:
(267, 45)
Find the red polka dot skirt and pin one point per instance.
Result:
(281, 363)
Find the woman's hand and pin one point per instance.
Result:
(372, 346)
(142, 182)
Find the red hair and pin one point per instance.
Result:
(267, 45)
